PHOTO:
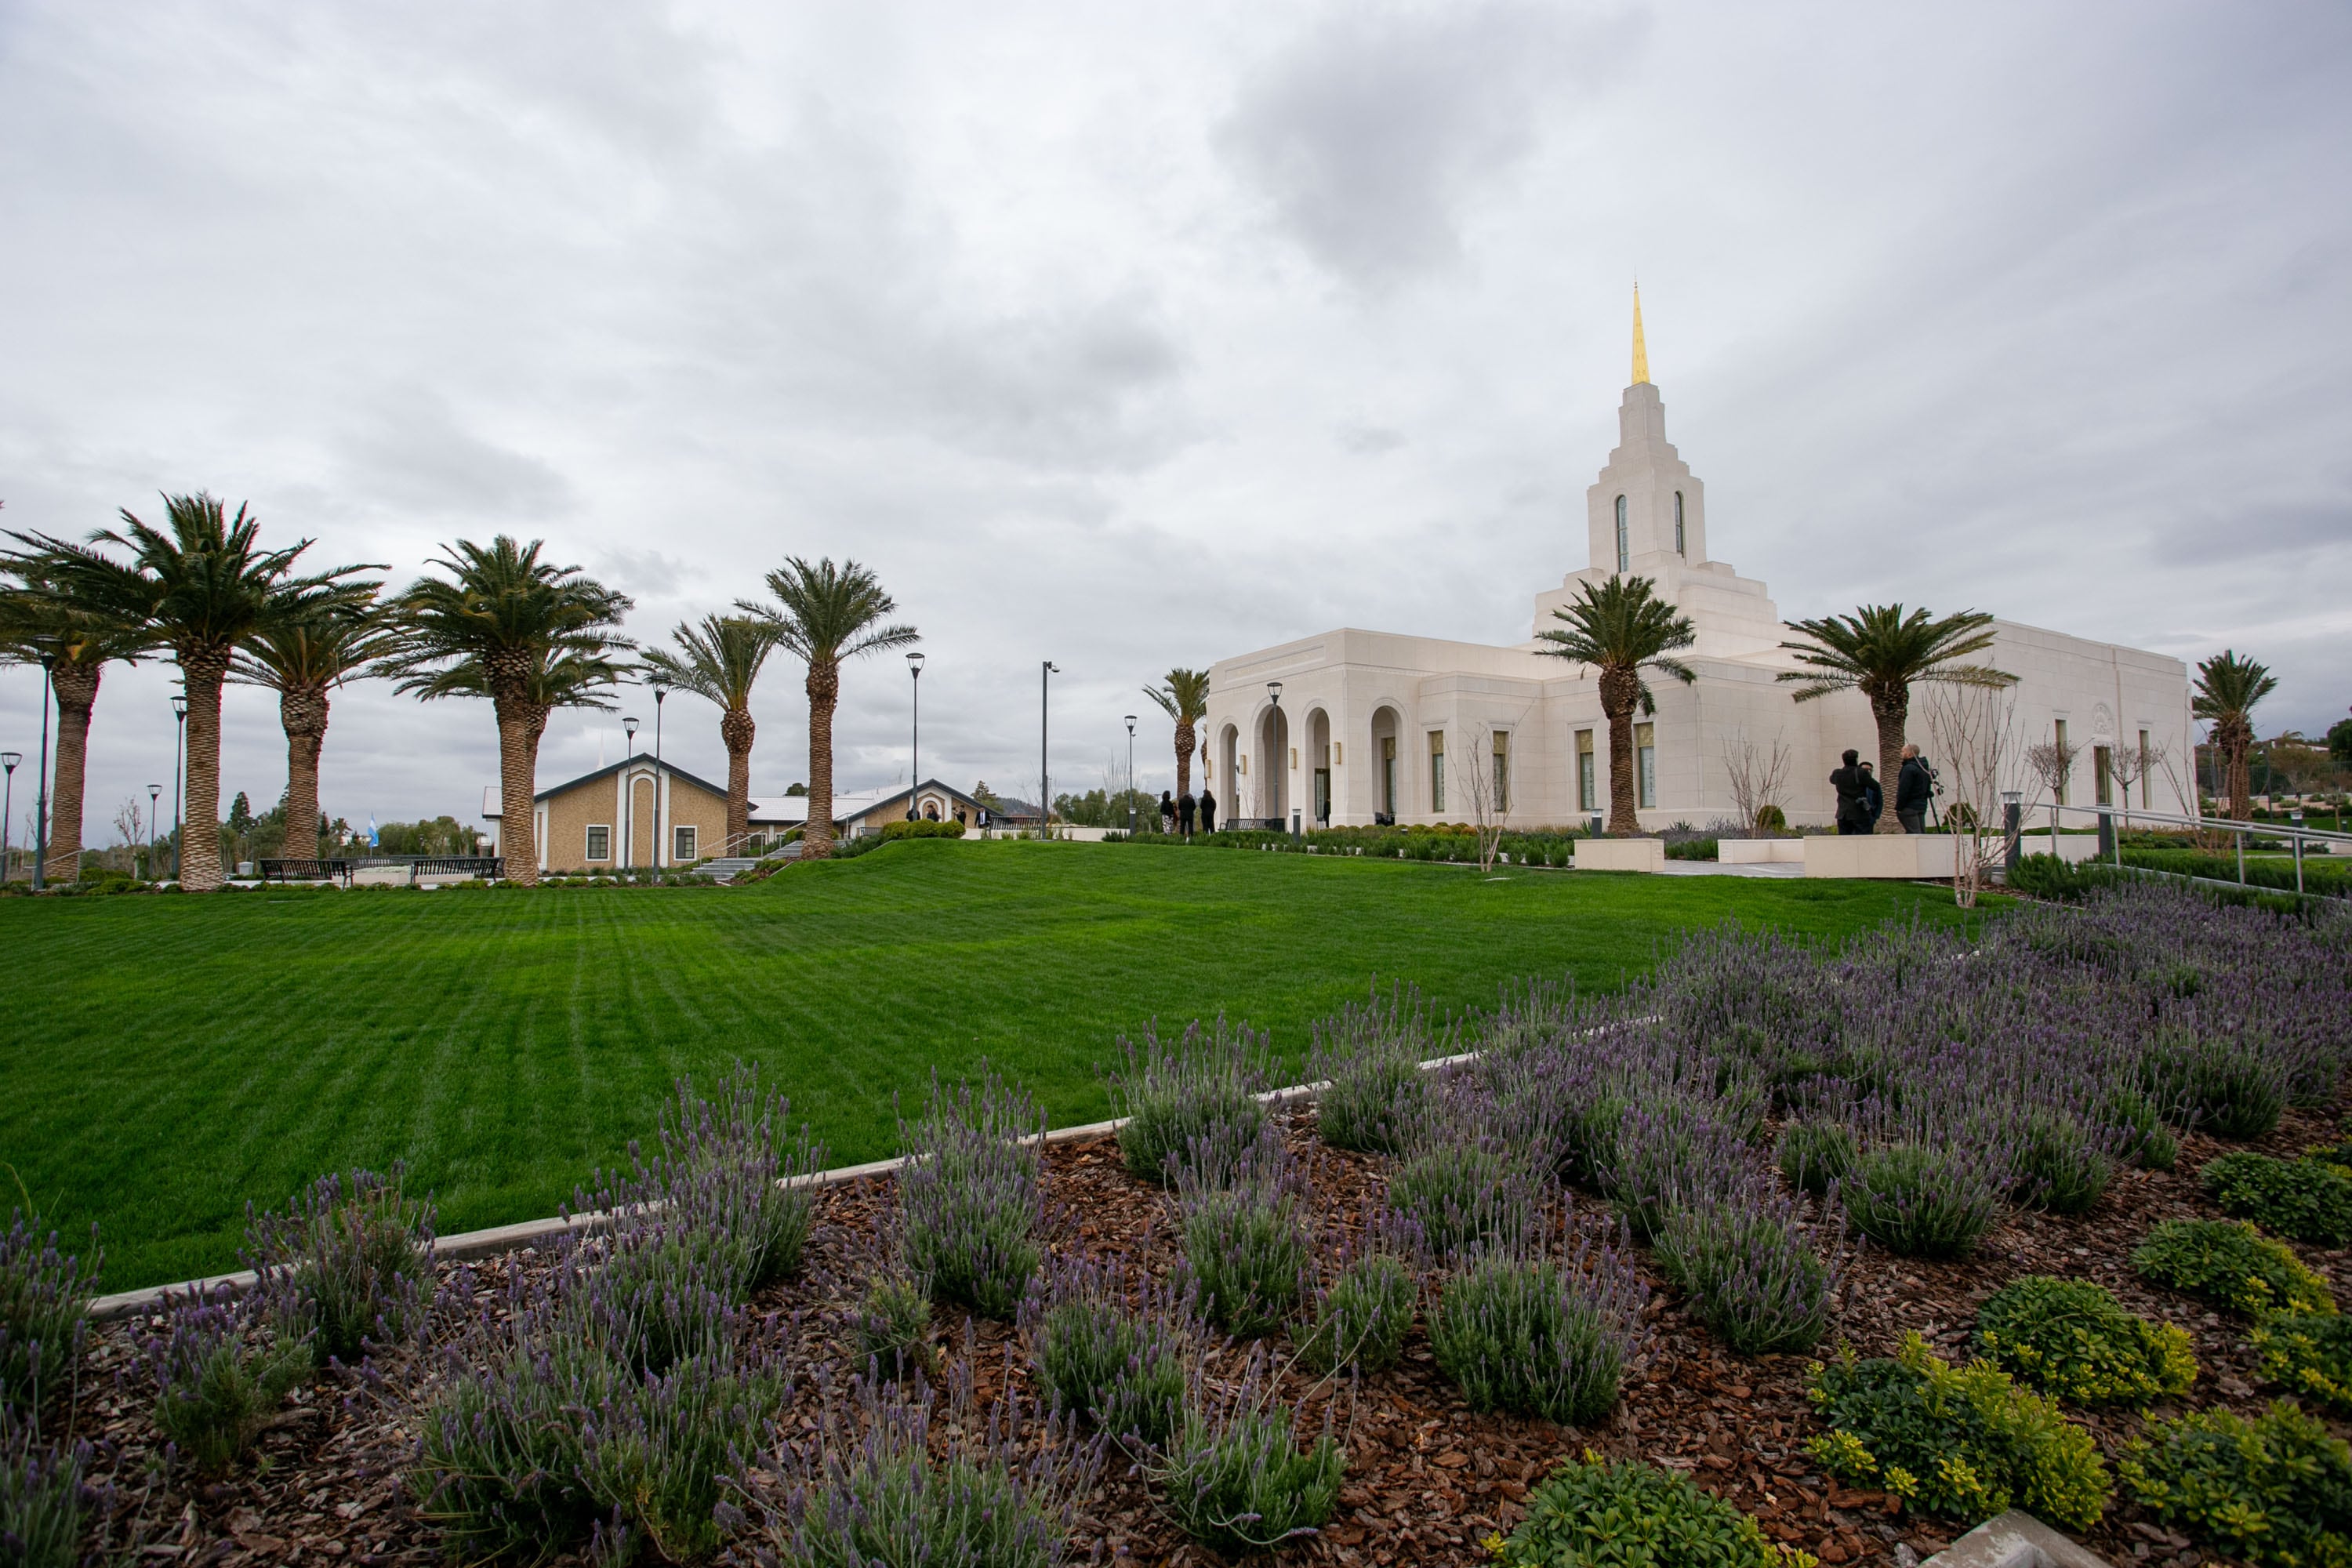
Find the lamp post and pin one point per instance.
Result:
(1281, 762)
(154, 802)
(8, 760)
(629, 748)
(660, 850)
(179, 773)
(2013, 821)
(1045, 779)
(41, 812)
(1131, 775)
(915, 768)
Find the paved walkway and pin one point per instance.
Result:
(1719, 869)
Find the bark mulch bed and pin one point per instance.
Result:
(1427, 1479)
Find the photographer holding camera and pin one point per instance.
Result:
(1914, 788)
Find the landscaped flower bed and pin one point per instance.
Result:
(720, 1391)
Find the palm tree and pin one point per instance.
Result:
(2228, 687)
(301, 652)
(200, 590)
(719, 661)
(529, 635)
(1620, 628)
(1882, 653)
(35, 626)
(1185, 698)
(825, 613)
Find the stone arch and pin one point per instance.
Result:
(1228, 778)
(1387, 759)
(1317, 775)
(1270, 764)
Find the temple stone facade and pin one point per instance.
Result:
(1370, 725)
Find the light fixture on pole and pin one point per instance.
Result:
(629, 728)
(1044, 778)
(915, 768)
(8, 760)
(629, 828)
(1131, 775)
(1274, 738)
(154, 805)
(179, 773)
(41, 812)
(661, 852)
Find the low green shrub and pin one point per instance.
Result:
(1814, 1153)
(892, 1326)
(2074, 1340)
(2145, 1140)
(1603, 1514)
(1361, 1316)
(2230, 1088)
(1964, 1443)
(219, 1376)
(921, 828)
(1533, 1337)
(2310, 1353)
(2275, 1490)
(2061, 1167)
(2306, 1199)
(44, 1301)
(2231, 1262)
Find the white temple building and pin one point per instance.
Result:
(1351, 727)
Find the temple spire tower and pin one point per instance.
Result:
(1647, 517)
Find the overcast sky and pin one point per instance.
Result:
(1130, 336)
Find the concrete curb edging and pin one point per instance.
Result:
(496, 1240)
(2014, 1540)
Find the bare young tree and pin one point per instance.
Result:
(1490, 806)
(131, 827)
(2052, 764)
(2134, 764)
(1972, 730)
(1757, 777)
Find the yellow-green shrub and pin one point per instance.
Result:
(2074, 1340)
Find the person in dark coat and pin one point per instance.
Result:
(1847, 781)
(1208, 811)
(1167, 812)
(1874, 799)
(1185, 805)
(1912, 786)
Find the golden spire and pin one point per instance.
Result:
(1641, 352)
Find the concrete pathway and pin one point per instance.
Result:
(1783, 869)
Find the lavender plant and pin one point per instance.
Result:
(349, 1264)
(1923, 1200)
(1369, 1058)
(971, 1203)
(1815, 1154)
(1121, 1367)
(1361, 1312)
(1245, 1223)
(2228, 1088)
(662, 1292)
(44, 1498)
(1204, 1088)
(891, 1326)
(1671, 1153)
(1538, 1335)
(1466, 1190)
(219, 1373)
(44, 1295)
(1234, 1475)
(1756, 1274)
(2062, 1166)
(898, 1475)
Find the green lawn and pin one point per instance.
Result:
(169, 1059)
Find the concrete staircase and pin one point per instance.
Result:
(727, 868)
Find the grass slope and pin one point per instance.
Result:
(168, 1060)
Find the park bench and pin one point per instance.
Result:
(487, 867)
(306, 871)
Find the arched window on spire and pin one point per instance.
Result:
(1624, 560)
(1678, 524)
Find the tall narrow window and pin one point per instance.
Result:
(1623, 559)
(1678, 524)
(1645, 764)
(2143, 767)
(2059, 793)
(1584, 790)
(1502, 771)
(1388, 775)
(600, 842)
(1437, 770)
(2102, 776)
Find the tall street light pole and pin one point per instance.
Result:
(661, 850)
(915, 768)
(179, 746)
(1131, 775)
(155, 811)
(1281, 777)
(8, 760)
(41, 818)
(629, 748)
(1045, 779)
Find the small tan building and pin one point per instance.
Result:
(607, 821)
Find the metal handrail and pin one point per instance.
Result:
(2297, 835)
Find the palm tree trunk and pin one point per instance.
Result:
(518, 731)
(76, 686)
(1620, 690)
(203, 669)
(1184, 757)
(824, 692)
(302, 710)
(1891, 710)
(735, 728)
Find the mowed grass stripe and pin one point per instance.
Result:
(169, 1059)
